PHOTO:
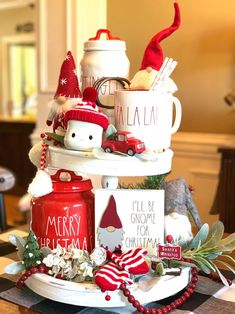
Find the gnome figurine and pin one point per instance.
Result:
(67, 93)
(85, 123)
(178, 202)
(153, 59)
(110, 230)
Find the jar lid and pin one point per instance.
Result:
(109, 45)
(72, 186)
(112, 43)
(70, 183)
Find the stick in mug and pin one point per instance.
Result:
(166, 69)
(166, 60)
(166, 73)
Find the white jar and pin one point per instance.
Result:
(104, 58)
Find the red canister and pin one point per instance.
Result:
(66, 215)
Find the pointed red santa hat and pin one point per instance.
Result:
(68, 87)
(68, 81)
(153, 55)
(87, 110)
(110, 216)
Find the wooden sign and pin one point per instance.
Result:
(169, 251)
(127, 219)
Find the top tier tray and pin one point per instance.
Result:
(106, 164)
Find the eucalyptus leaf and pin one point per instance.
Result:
(215, 234)
(222, 277)
(200, 237)
(206, 266)
(16, 240)
(14, 268)
(227, 244)
(20, 248)
(201, 265)
(19, 242)
(213, 255)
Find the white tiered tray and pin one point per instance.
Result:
(106, 164)
(88, 294)
(148, 288)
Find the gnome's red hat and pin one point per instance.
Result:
(68, 81)
(153, 55)
(110, 216)
(87, 110)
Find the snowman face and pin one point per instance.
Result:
(83, 136)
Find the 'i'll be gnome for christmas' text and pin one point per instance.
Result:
(143, 219)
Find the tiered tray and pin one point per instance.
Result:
(148, 289)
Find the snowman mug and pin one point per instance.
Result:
(148, 115)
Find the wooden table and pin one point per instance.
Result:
(6, 306)
(11, 308)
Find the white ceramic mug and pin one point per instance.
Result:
(148, 115)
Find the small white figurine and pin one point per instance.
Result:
(85, 123)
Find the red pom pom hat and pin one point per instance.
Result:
(87, 110)
(153, 55)
(68, 81)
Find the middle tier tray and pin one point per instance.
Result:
(106, 164)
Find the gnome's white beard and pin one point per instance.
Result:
(179, 227)
(143, 79)
(110, 240)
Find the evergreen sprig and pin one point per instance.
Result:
(32, 256)
(149, 183)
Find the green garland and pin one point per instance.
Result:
(149, 183)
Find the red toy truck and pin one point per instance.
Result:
(123, 142)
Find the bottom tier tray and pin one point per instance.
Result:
(147, 290)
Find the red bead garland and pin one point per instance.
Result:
(107, 297)
(33, 270)
(166, 308)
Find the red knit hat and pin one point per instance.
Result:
(68, 81)
(153, 55)
(110, 216)
(87, 110)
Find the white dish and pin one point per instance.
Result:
(88, 294)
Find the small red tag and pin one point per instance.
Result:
(169, 251)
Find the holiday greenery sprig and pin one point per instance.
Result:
(204, 251)
(149, 183)
(206, 248)
(74, 264)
